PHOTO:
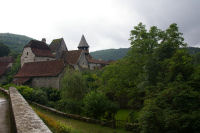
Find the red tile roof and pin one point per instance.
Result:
(41, 69)
(20, 80)
(91, 60)
(3, 67)
(39, 48)
(97, 61)
(7, 59)
(4, 62)
(71, 57)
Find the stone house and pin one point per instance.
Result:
(5, 66)
(41, 74)
(36, 51)
(43, 65)
(75, 58)
(57, 47)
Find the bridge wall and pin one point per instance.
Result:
(25, 120)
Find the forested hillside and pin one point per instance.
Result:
(13, 41)
(115, 54)
(110, 54)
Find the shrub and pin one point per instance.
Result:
(69, 106)
(56, 126)
(96, 105)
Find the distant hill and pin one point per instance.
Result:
(13, 41)
(115, 54)
(110, 54)
(17, 42)
(193, 50)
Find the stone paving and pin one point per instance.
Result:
(4, 115)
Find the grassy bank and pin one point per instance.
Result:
(79, 126)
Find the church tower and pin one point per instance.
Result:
(83, 45)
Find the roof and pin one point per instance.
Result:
(91, 60)
(7, 59)
(71, 57)
(3, 67)
(4, 64)
(83, 43)
(21, 80)
(41, 69)
(39, 48)
(55, 44)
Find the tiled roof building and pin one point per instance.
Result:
(45, 73)
(57, 47)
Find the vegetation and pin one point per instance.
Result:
(4, 50)
(13, 41)
(110, 54)
(56, 126)
(157, 82)
(79, 126)
(14, 69)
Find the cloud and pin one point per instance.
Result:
(105, 23)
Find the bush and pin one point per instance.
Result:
(96, 105)
(69, 106)
(56, 126)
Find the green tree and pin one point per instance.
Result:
(73, 85)
(96, 105)
(4, 50)
(14, 69)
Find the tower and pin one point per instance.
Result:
(83, 45)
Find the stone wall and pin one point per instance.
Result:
(83, 61)
(38, 59)
(27, 56)
(53, 82)
(26, 120)
(60, 50)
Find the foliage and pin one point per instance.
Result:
(96, 105)
(110, 54)
(56, 126)
(69, 106)
(14, 42)
(33, 94)
(4, 50)
(14, 69)
(73, 86)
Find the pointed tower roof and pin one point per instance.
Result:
(83, 43)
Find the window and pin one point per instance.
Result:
(27, 53)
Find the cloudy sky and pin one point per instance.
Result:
(105, 23)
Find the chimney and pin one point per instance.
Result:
(44, 40)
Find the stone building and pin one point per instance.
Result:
(76, 58)
(41, 74)
(92, 63)
(43, 65)
(36, 51)
(5, 65)
(57, 47)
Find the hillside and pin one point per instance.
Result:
(110, 54)
(13, 41)
(115, 54)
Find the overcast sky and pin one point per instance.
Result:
(105, 23)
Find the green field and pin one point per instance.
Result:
(79, 126)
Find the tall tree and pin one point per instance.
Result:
(4, 50)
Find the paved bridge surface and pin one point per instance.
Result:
(4, 115)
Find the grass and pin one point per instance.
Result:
(122, 114)
(79, 126)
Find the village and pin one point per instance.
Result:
(43, 65)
